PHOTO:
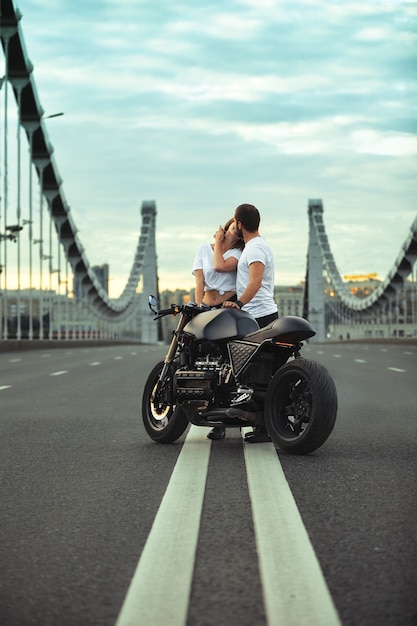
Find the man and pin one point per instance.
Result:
(255, 270)
(254, 282)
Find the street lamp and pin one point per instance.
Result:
(14, 232)
(41, 167)
(43, 257)
(54, 312)
(4, 81)
(29, 223)
(11, 236)
(40, 242)
(48, 117)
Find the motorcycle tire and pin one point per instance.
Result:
(163, 420)
(300, 406)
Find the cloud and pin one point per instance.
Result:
(203, 106)
(388, 143)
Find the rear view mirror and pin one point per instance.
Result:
(153, 304)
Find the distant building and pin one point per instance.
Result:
(169, 322)
(102, 273)
(361, 285)
(289, 299)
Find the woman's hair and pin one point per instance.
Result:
(240, 244)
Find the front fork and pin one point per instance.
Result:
(172, 347)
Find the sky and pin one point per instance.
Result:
(201, 106)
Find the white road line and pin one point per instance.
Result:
(395, 369)
(95, 363)
(5, 387)
(337, 356)
(118, 358)
(14, 360)
(359, 361)
(294, 588)
(160, 588)
(59, 373)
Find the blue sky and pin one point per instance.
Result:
(201, 106)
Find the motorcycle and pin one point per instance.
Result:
(222, 370)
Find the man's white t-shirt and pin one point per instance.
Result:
(263, 303)
(220, 281)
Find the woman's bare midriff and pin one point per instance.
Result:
(214, 298)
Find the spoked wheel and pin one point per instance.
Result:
(300, 406)
(163, 420)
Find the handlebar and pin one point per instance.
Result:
(175, 309)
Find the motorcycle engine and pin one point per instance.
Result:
(201, 382)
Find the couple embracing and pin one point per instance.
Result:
(238, 271)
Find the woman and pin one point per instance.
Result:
(215, 266)
(215, 275)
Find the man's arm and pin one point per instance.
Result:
(256, 272)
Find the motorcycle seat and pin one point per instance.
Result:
(287, 329)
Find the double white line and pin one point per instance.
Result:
(295, 592)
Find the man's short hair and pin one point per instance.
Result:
(249, 216)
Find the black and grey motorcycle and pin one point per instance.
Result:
(222, 370)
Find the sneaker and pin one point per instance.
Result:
(217, 433)
(259, 435)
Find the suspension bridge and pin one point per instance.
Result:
(390, 304)
(75, 303)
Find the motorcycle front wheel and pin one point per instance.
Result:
(300, 406)
(163, 420)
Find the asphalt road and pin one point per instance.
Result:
(81, 486)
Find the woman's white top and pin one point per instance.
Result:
(220, 281)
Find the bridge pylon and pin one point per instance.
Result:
(149, 273)
(315, 286)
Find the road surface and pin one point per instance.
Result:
(203, 532)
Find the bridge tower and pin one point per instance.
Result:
(315, 286)
(149, 273)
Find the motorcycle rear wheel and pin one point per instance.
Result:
(300, 406)
(163, 420)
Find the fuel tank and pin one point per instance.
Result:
(221, 324)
